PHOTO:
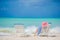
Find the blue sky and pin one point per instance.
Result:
(30, 8)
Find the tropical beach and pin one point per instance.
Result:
(29, 19)
(29, 29)
(28, 38)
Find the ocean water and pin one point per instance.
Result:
(9, 22)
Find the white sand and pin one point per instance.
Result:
(27, 38)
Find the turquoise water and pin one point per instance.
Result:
(9, 22)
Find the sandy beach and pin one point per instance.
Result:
(14, 37)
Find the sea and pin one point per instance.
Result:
(10, 22)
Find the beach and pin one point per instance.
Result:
(14, 37)
(12, 29)
(29, 38)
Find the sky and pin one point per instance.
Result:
(29, 9)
